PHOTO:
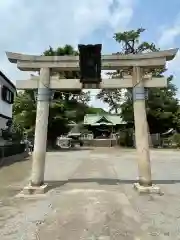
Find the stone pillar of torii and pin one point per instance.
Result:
(139, 64)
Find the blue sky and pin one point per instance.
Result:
(31, 26)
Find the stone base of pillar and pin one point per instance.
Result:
(147, 189)
(33, 190)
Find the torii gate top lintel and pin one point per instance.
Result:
(168, 54)
(109, 62)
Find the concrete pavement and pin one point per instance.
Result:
(91, 197)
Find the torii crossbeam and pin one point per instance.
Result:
(57, 83)
(138, 64)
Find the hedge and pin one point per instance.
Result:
(12, 149)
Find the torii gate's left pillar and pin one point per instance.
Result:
(42, 114)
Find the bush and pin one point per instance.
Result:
(176, 139)
(126, 138)
(12, 149)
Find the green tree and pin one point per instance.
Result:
(71, 99)
(24, 109)
(162, 104)
(65, 107)
(112, 98)
(94, 110)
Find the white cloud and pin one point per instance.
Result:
(170, 33)
(174, 65)
(168, 37)
(31, 26)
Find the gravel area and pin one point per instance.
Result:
(91, 196)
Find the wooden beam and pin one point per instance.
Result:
(109, 62)
(74, 84)
(106, 65)
(168, 54)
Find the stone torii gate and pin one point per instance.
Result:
(138, 64)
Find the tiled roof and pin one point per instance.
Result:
(94, 119)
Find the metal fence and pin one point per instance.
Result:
(154, 140)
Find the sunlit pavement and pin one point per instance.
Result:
(91, 196)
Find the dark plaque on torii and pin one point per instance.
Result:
(90, 63)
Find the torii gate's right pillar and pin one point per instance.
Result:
(141, 133)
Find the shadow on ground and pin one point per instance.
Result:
(70, 149)
(103, 181)
(7, 161)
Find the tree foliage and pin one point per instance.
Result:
(65, 107)
(112, 98)
(162, 104)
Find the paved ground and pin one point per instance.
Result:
(91, 197)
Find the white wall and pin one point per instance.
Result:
(5, 108)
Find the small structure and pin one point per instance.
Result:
(7, 91)
(102, 129)
(72, 138)
(103, 126)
